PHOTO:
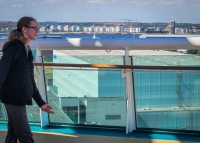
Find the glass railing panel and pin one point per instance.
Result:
(93, 87)
(166, 58)
(87, 96)
(167, 99)
(33, 111)
(88, 57)
(3, 115)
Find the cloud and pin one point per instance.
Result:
(165, 2)
(104, 1)
(17, 5)
(24, 3)
(139, 2)
(135, 2)
(97, 1)
(49, 1)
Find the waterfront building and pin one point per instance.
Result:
(42, 29)
(60, 28)
(71, 28)
(87, 29)
(124, 29)
(77, 28)
(171, 27)
(51, 28)
(66, 28)
(150, 29)
(117, 29)
(106, 29)
(98, 29)
(111, 29)
(181, 31)
(135, 30)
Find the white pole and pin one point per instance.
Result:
(131, 122)
(44, 117)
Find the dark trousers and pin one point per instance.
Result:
(18, 127)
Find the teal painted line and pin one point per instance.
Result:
(161, 136)
(113, 133)
(65, 130)
(3, 127)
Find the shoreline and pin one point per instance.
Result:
(62, 33)
(83, 33)
(78, 33)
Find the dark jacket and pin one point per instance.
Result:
(17, 84)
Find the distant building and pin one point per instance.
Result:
(117, 29)
(87, 29)
(171, 27)
(150, 29)
(42, 29)
(136, 30)
(181, 30)
(76, 28)
(60, 28)
(66, 28)
(98, 29)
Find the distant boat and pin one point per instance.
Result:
(49, 37)
(94, 37)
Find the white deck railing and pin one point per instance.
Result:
(109, 44)
(115, 43)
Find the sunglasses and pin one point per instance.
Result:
(35, 28)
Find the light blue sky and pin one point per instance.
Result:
(102, 10)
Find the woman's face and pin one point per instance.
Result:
(30, 31)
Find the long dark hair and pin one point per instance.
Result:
(17, 33)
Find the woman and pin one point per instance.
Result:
(17, 84)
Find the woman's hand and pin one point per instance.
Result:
(47, 108)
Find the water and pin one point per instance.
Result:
(101, 36)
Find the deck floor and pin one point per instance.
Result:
(67, 138)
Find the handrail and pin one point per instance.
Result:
(120, 66)
(114, 43)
